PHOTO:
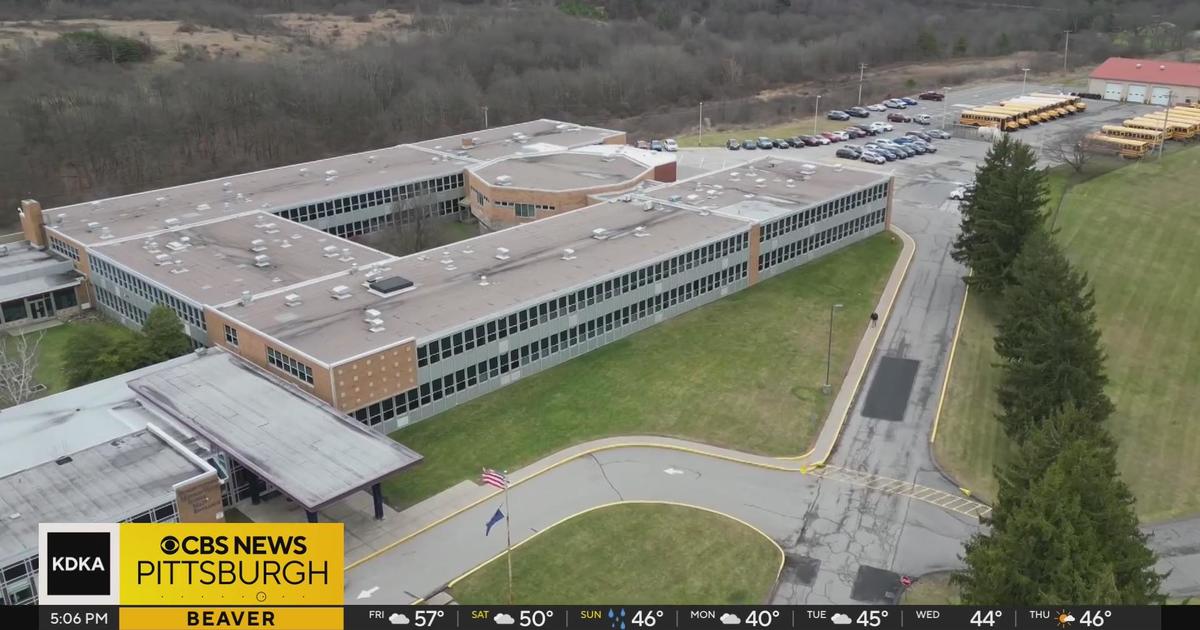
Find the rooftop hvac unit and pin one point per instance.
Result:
(92, 226)
(340, 292)
(647, 205)
(246, 298)
(171, 222)
(569, 254)
(330, 251)
(346, 257)
(626, 198)
(162, 260)
(331, 172)
(674, 197)
(371, 315)
(502, 253)
(58, 219)
(371, 159)
(303, 172)
(600, 234)
(270, 228)
(483, 281)
(375, 325)
(503, 180)
(226, 184)
(179, 270)
(176, 246)
(105, 233)
(202, 207)
(285, 244)
(640, 231)
(262, 260)
(292, 299)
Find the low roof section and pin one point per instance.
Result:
(308, 450)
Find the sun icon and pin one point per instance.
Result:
(1064, 619)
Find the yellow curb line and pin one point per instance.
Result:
(874, 346)
(937, 416)
(685, 449)
(778, 572)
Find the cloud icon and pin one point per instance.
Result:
(398, 619)
(840, 619)
(730, 619)
(1070, 617)
(504, 619)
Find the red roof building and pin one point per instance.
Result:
(1146, 81)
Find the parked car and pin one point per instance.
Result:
(643, 144)
(903, 148)
(940, 134)
(881, 127)
(929, 148)
(848, 153)
(866, 129)
(797, 142)
(872, 157)
(749, 144)
(908, 101)
(732, 144)
(886, 152)
(835, 136)
(923, 135)
(765, 143)
(958, 194)
(854, 132)
(781, 143)
(898, 117)
(670, 144)
(657, 145)
(858, 112)
(877, 107)
(923, 119)
(813, 141)
(894, 103)
(932, 96)
(837, 114)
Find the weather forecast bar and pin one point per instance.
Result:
(610, 617)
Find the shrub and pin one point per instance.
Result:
(80, 47)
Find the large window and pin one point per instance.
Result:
(525, 210)
(65, 298)
(14, 310)
(231, 335)
(289, 365)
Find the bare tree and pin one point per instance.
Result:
(1071, 149)
(18, 362)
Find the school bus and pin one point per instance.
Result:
(1018, 115)
(1056, 106)
(1172, 130)
(1071, 103)
(1183, 115)
(1151, 136)
(1044, 110)
(1128, 149)
(1005, 122)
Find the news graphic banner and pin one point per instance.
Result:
(161, 576)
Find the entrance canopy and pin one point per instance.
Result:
(298, 443)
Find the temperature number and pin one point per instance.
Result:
(987, 618)
(761, 618)
(535, 618)
(871, 618)
(1094, 618)
(646, 618)
(425, 618)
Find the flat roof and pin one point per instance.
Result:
(218, 262)
(530, 136)
(276, 188)
(332, 330)
(767, 187)
(566, 170)
(107, 482)
(298, 443)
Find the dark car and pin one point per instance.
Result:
(858, 112)
(765, 143)
(898, 117)
(909, 101)
(837, 114)
(781, 143)
(932, 96)
(887, 153)
(919, 134)
(749, 144)
(854, 132)
(865, 129)
(929, 148)
(732, 144)
(907, 150)
(811, 141)
(657, 145)
(797, 142)
(937, 133)
(848, 152)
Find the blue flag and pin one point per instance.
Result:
(496, 518)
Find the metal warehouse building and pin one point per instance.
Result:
(1149, 81)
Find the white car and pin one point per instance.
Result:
(923, 119)
(873, 158)
(881, 127)
(670, 144)
(958, 193)
(877, 107)
(841, 135)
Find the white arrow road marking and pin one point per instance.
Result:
(367, 593)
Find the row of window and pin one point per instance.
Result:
(289, 365)
(37, 306)
(121, 306)
(811, 215)
(445, 208)
(352, 203)
(462, 341)
(483, 371)
(231, 336)
(526, 210)
(819, 240)
(186, 311)
(62, 247)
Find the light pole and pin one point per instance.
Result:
(1024, 79)
(829, 353)
(816, 113)
(1066, 49)
(484, 108)
(945, 100)
(1162, 140)
(700, 137)
(862, 67)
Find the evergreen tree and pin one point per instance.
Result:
(1048, 342)
(163, 337)
(1073, 537)
(960, 46)
(927, 44)
(1005, 207)
(93, 353)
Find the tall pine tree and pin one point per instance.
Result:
(1004, 209)
(1048, 341)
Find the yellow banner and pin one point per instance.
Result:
(231, 564)
(231, 618)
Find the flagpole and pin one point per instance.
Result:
(508, 534)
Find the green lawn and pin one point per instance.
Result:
(636, 554)
(743, 372)
(932, 590)
(802, 127)
(54, 341)
(1134, 231)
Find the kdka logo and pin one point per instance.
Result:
(78, 563)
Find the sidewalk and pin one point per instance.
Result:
(463, 496)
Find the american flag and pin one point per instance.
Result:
(494, 478)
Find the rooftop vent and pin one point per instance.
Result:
(92, 226)
(569, 254)
(371, 159)
(331, 172)
(262, 260)
(105, 233)
(483, 281)
(246, 298)
(647, 205)
(375, 325)
(640, 231)
(345, 257)
(467, 142)
(674, 197)
(331, 251)
(176, 246)
(171, 222)
(270, 228)
(285, 244)
(58, 219)
(600, 234)
(303, 172)
(162, 260)
(391, 285)
(371, 314)
(178, 270)
(292, 299)
(502, 253)
(503, 180)
(202, 207)
(340, 292)
(226, 184)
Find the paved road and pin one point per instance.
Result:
(829, 530)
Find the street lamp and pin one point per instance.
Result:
(829, 352)
(862, 69)
(485, 120)
(1024, 78)
(945, 100)
(816, 113)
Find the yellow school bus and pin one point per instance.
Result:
(1018, 115)
(1172, 130)
(1128, 149)
(1005, 122)
(1151, 136)
(1042, 109)
(1071, 103)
